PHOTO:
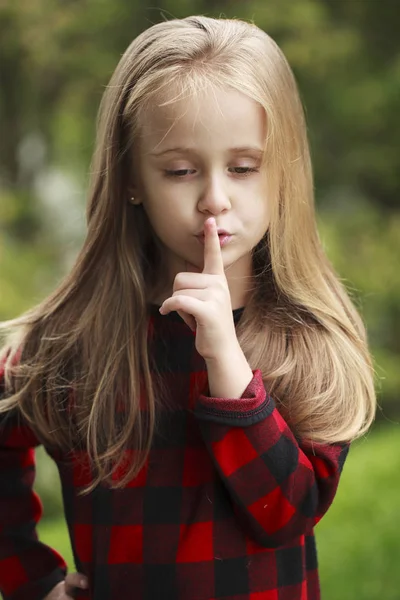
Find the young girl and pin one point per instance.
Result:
(200, 373)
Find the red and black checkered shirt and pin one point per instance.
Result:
(225, 506)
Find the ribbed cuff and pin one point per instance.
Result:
(253, 406)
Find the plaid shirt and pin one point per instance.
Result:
(224, 508)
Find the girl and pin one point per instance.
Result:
(199, 375)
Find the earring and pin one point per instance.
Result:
(133, 201)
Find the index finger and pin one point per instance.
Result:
(213, 262)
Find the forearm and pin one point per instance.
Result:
(229, 376)
(282, 485)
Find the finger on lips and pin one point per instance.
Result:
(213, 262)
(213, 265)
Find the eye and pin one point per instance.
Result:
(178, 173)
(242, 171)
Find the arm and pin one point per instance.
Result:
(280, 487)
(28, 568)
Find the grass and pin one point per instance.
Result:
(358, 539)
(54, 533)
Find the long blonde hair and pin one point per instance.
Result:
(79, 360)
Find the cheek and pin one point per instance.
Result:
(263, 209)
(256, 221)
(166, 219)
(158, 204)
(265, 215)
(256, 211)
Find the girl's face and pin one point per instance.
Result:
(200, 158)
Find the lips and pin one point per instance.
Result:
(221, 232)
(224, 239)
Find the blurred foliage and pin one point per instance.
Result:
(357, 544)
(363, 245)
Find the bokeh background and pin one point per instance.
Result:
(56, 58)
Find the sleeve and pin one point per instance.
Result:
(28, 568)
(280, 487)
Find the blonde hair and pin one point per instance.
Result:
(83, 351)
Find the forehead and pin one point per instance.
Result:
(215, 118)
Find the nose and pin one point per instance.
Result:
(214, 197)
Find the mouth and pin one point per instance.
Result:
(224, 238)
(220, 232)
(220, 235)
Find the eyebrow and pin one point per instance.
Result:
(188, 150)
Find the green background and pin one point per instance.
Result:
(57, 57)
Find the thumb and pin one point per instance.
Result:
(75, 580)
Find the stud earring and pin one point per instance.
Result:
(133, 201)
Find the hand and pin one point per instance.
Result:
(65, 589)
(203, 300)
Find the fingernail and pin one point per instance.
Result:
(84, 583)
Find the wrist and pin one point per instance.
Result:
(227, 355)
(229, 374)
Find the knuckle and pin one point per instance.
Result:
(180, 301)
(179, 277)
